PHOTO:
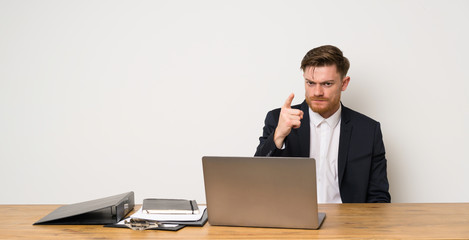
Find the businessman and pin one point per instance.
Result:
(347, 145)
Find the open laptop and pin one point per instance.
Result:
(262, 192)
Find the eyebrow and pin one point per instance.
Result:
(309, 80)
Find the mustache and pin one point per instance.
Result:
(318, 99)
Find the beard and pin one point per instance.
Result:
(328, 107)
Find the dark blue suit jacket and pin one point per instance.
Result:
(361, 161)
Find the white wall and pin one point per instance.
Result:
(103, 97)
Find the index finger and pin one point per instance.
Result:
(289, 100)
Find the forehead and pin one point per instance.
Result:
(322, 73)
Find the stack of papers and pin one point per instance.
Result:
(169, 217)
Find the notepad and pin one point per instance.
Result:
(169, 206)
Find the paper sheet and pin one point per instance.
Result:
(168, 217)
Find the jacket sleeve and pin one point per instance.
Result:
(266, 141)
(378, 188)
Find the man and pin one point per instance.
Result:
(347, 145)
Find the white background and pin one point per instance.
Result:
(103, 97)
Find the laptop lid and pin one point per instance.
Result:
(261, 192)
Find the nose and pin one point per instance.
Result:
(318, 91)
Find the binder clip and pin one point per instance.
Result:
(141, 224)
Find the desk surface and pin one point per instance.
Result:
(394, 220)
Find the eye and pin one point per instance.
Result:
(310, 83)
(328, 84)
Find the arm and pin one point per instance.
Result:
(266, 141)
(277, 126)
(378, 187)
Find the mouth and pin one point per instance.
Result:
(319, 103)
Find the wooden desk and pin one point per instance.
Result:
(362, 221)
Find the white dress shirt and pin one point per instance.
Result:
(324, 147)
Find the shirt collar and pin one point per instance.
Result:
(332, 121)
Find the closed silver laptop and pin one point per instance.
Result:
(261, 192)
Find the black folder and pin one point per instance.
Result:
(100, 211)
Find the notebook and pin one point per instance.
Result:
(170, 206)
(261, 192)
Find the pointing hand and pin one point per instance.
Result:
(289, 118)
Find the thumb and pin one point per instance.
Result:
(287, 103)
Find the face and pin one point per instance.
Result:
(323, 86)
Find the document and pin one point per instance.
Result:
(169, 217)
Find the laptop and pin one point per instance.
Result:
(274, 192)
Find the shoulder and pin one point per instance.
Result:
(349, 115)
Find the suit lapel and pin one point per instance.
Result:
(344, 142)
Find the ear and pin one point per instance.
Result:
(345, 82)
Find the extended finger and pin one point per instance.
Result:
(289, 100)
